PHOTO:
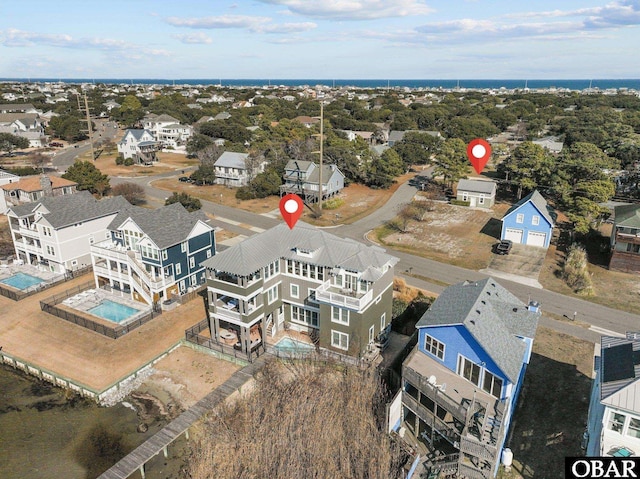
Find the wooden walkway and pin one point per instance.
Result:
(137, 458)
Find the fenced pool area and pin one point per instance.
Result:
(112, 311)
(22, 281)
(18, 280)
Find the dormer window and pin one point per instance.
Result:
(304, 252)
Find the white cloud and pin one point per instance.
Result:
(193, 38)
(20, 38)
(354, 9)
(250, 23)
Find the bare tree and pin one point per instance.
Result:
(210, 155)
(304, 419)
(133, 192)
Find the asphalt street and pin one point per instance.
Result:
(417, 271)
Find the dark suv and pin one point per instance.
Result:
(504, 247)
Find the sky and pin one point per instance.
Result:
(320, 39)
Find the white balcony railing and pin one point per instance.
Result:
(332, 294)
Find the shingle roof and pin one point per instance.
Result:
(492, 315)
(231, 159)
(67, 210)
(477, 186)
(326, 249)
(627, 216)
(165, 226)
(539, 202)
(136, 133)
(32, 183)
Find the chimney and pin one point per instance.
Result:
(47, 187)
(534, 307)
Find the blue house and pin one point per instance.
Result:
(529, 221)
(461, 382)
(153, 255)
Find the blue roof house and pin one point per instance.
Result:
(529, 221)
(461, 382)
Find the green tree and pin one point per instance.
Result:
(132, 192)
(130, 111)
(88, 177)
(417, 148)
(527, 167)
(68, 127)
(9, 142)
(384, 169)
(189, 202)
(451, 161)
(198, 142)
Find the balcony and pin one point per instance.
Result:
(337, 296)
(627, 238)
(109, 249)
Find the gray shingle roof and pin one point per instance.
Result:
(326, 249)
(492, 315)
(539, 202)
(165, 226)
(627, 216)
(231, 159)
(67, 210)
(477, 186)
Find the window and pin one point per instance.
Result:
(50, 250)
(272, 294)
(164, 254)
(107, 235)
(378, 299)
(306, 316)
(295, 291)
(178, 268)
(46, 231)
(383, 321)
(492, 384)
(181, 286)
(469, 370)
(339, 340)
(433, 346)
(634, 428)
(192, 262)
(616, 422)
(74, 262)
(312, 295)
(535, 221)
(272, 269)
(194, 280)
(520, 218)
(371, 333)
(339, 315)
(465, 196)
(208, 253)
(183, 247)
(481, 199)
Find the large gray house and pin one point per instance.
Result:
(336, 290)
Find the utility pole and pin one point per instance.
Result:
(89, 125)
(320, 172)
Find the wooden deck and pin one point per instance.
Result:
(156, 443)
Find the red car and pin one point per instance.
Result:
(56, 144)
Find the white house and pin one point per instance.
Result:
(613, 425)
(302, 178)
(233, 169)
(5, 179)
(140, 145)
(56, 232)
(167, 130)
(478, 193)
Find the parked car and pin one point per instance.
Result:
(185, 179)
(56, 144)
(504, 247)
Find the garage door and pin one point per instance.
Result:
(535, 238)
(513, 235)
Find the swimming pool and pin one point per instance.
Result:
(22, 280)
(291, 345)
(112, 311)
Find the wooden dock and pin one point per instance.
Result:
(136, 459)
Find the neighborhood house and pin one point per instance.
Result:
(625, 239)
(529, 221)
(477, 192)
(302, 178)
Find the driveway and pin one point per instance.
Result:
(522, 264)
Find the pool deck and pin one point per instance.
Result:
(82, 355)
(86, 300)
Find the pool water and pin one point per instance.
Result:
(113, 311)
(288, 345)
(22, 281)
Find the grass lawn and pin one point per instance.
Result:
(106, 163)
(553, 406)
(451, 234)
(611, 288)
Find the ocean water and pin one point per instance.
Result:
(571, 84)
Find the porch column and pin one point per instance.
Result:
(245, 339)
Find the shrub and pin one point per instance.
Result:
(333, 203)
(119, 159)
(575, 271)
(460, 203)
(128, 161)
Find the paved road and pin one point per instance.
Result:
(65, 158)
(425, 273)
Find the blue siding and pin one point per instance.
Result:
(528, 209)
(175, 256)
(199, 242)
(458, 340)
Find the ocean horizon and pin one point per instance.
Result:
(509, 84)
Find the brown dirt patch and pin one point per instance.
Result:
(553, 406)
(219, 194)
(106, 163)
(452, 234)
(186, 376)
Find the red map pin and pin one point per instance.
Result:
(291, 209)
(479, 152)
